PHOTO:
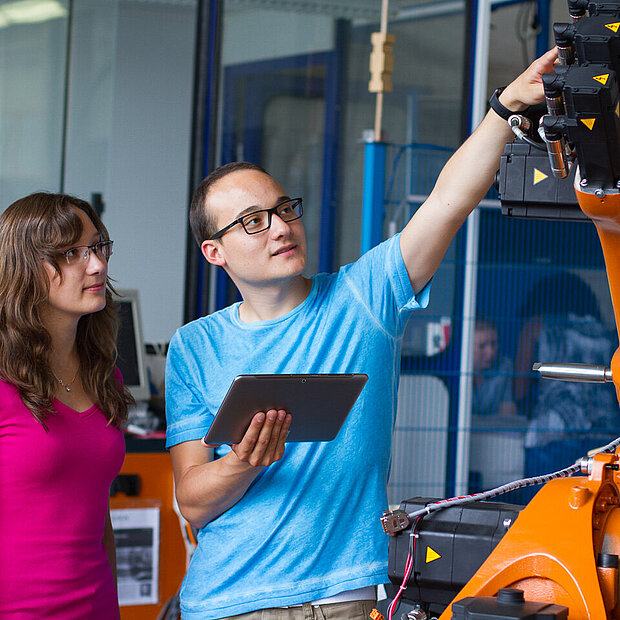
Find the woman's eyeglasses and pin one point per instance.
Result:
(81, 253)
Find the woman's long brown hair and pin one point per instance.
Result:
(33, 230)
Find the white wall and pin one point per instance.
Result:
(147, 190)
(130, 139)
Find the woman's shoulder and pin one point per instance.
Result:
(9, 396)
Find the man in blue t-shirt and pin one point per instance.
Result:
(292, 531)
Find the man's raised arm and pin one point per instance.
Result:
(466, 178)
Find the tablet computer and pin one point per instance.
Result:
(319, 404)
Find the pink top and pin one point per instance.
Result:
(54, 490)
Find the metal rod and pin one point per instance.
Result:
(587, 373)
(65, 107)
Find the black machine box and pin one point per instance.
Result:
(451, 546)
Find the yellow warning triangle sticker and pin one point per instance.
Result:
(614, 27)
(588, 122)
(539, 176)
(431, 555)
(601, 78)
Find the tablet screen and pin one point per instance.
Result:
(318, 404)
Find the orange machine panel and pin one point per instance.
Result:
(550, 552)
(604, 211)
(156, 489)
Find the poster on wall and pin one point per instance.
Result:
(136, 533)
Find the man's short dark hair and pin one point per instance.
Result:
(202, 222)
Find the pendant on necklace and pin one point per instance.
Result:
(67, 388)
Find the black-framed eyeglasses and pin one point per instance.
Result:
(81, 253)
(259, 221)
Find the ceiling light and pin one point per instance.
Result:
(30, 11)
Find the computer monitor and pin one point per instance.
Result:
(130, 345)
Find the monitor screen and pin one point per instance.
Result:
(130, 345)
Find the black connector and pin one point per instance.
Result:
(577, 8)
(394, 521)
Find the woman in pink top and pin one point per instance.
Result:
(62, 404)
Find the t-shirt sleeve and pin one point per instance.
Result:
(380, 279)
(187, 414)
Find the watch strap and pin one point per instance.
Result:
(499, 108)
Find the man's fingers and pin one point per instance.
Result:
(272, 448)
(286, 424)
(262, 454)
(255, 442)
(263, 442)
(246, 446)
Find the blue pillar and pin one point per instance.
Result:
(544, 20)
(374, 191)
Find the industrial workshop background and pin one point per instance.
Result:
(131, 102)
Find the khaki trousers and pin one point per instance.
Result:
(351, 610)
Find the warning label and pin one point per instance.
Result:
(539, 176)
(431, 555)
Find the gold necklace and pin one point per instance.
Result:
(67, 386)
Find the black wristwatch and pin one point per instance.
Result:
(499, 108)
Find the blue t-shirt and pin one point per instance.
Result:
(308, 526)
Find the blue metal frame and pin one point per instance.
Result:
(374, 195)
(333, 107)
(544, 19)
(211, 106)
